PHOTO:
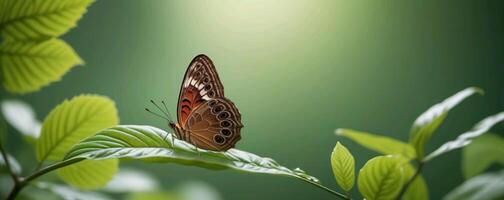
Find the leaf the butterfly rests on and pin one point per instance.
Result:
(151, 144)
(206, 118)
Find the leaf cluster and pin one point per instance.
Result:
(397, 174)
(31, 55)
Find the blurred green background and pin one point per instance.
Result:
(297, 70)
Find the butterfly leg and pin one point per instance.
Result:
(164, 138)
(172, 140)
(195, 147)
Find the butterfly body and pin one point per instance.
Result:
(206, 118)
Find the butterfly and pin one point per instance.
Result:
(205, 117)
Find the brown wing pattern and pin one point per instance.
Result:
(214, 125)
(201, 83)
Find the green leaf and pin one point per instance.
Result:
(89, 174)
(68, 193)
(466, 138)
(417, 190)
(28, 66)
(489, 186)
(381, 178)
(343, 166)
(427, 123)
(481, 154)
(158, 195)
(40, 19)
(153, 144)
(72, 121)
(381, 144)
(69, 123)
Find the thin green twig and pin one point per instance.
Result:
(407, 184)
(24, 181)
(7, 164)
(341, 196)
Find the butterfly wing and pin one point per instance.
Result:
(207, 118)
(214, 125)
(201, 83)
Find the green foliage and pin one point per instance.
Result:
(381, 178)
(418, 188)
(389, 146)
(89, 174)
(381, 144)
(481, 154)
(28, 66)
(466, 138)
(72, 121)
(153, 144)
(423, 128)
(40, 19)
(413, 185)
(489, 186)
(427, 123)
(343, 166)
(66, 125)
(30, 56)
(155, 195)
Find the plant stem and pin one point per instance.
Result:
(341, 196)
(22, 182)
(407, 184)
(51, 168)
(14, 192)
(7, 164)
(15, 178)
(347, 195)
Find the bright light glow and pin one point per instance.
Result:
(22, 117)
(130, 180)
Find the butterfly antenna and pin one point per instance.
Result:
(146, 109)
(166, 108)
(155, 104)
